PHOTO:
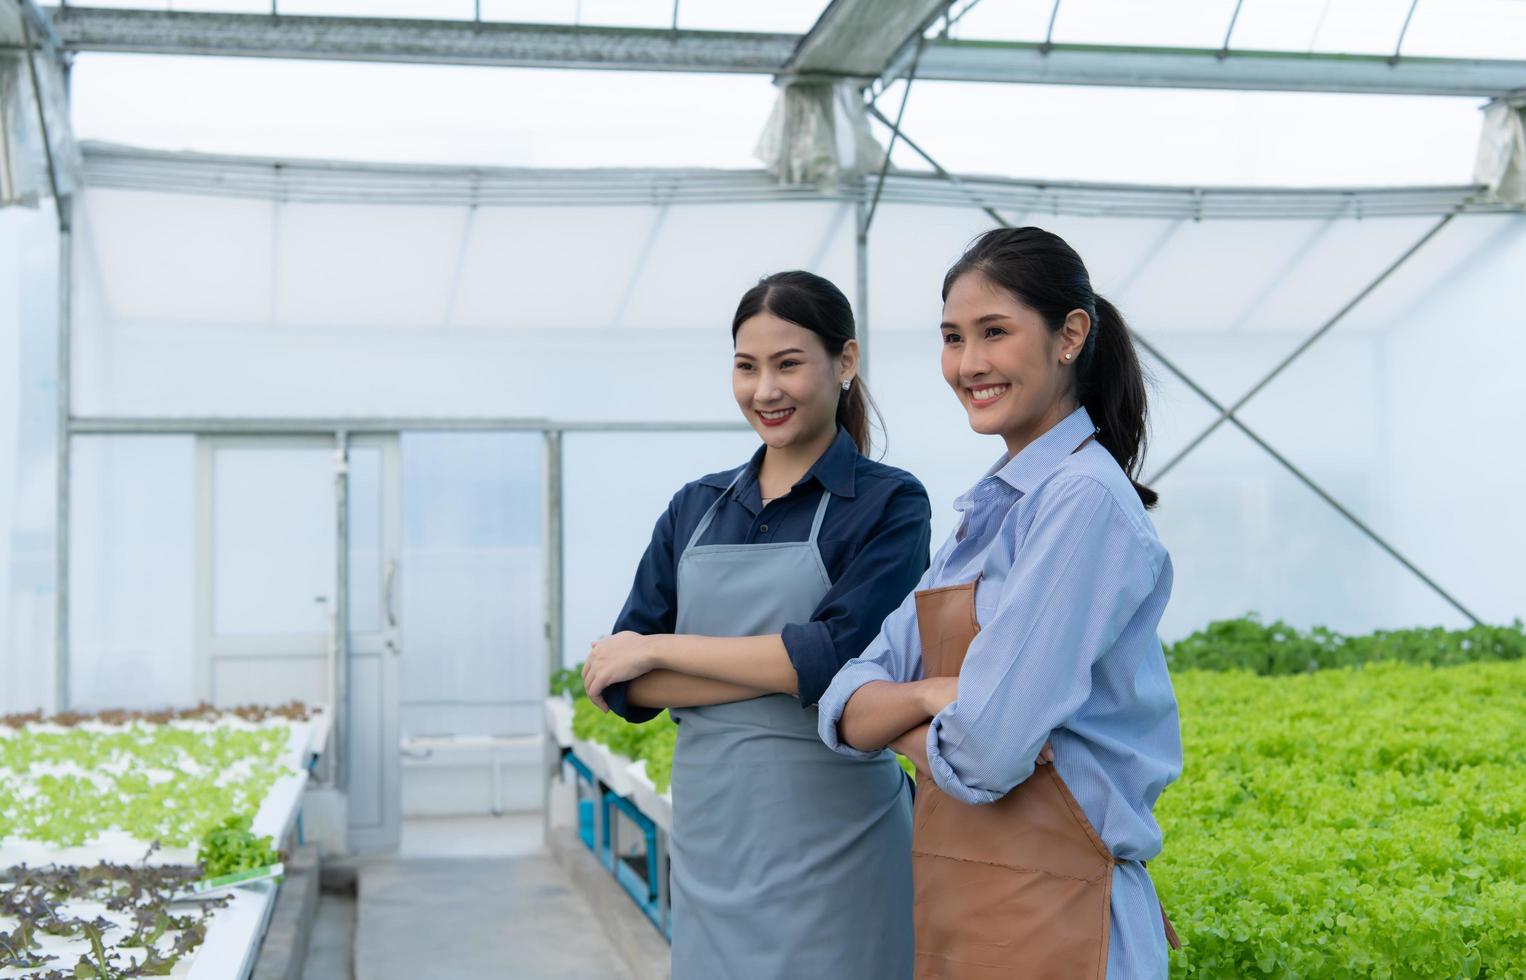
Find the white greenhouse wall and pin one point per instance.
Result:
(28, 453)
(189, 305)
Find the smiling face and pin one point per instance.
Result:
(1008, 369)
(785, 382)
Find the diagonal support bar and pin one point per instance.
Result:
(1229, 32)
(895, 134)
(1049, 31)
(1399, 44)
(953, 179)
(1305, 479)
(1227, 413)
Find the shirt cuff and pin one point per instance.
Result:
(814, 656)
(617, 696)
(944, 775)
(855, 675)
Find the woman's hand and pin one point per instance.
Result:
(937, 693)
(913, 745)
(621, 657)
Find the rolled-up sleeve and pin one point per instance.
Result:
(651, 607)
(895, 654)
(1081, 574)
(882, 572)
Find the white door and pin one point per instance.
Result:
(375, 633)
(266, 543)
(267, 616)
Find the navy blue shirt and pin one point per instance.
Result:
(874, 543)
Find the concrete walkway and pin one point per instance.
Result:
(444, 918)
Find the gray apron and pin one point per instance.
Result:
(789, 860)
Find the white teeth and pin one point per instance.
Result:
(985, 394)
(771, 416)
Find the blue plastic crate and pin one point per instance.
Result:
(641, 886)
(596, 819)
(593, 812)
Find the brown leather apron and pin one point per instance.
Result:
(1021, 887)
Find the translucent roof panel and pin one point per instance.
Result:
(1344, 26)
(1445, 271)
(783, 16)
(189, 304)
(1277, 276)
(704, 258)
(509, 279)
(1227, 301)
(224, 248)
(395, 266)
(421, 113)
(1468, 29)
(1180, 137)
(1172, 23)
(1456, 29)
(561, 118)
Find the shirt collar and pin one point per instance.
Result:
(1038, 459)
(833, 469)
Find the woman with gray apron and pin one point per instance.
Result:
(1036, 622)
(788, 860)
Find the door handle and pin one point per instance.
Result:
(387, 593)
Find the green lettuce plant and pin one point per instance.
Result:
(1349, 823)
(156, 782)
(1277, 648)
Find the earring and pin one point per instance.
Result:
(1068, 356)
(847, 383)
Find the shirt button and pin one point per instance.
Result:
(763, 528)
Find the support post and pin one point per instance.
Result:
(861, 267)
(63, 468)
(552, 538)
(339, 640)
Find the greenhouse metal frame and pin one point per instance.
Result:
(858, 44)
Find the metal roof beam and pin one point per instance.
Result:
(562, 46)
(460, 42)
(267, 178)
(1206, 68)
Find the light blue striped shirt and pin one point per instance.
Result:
(1073, 581)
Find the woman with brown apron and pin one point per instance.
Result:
(789, 861)
(1035, 623)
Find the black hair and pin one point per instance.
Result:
(1046, 274)
(807, 300)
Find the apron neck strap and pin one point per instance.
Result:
(704, 522)
(821, 512)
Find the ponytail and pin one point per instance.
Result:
(1111, 386)
(1045, 273)
(853, 410)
